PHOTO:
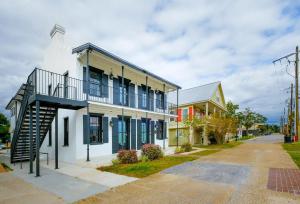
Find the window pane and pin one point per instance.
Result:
(95, 129)
(185, 113)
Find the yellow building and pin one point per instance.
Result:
(196, 102)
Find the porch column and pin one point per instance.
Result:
(37, 138)
(214, 110)
(147, 108)
(164, 126)
(56, 139)
(87, 107)
(123, 102)
(206, 109)
(30, 141)
(177, 133)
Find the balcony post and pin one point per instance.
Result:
(30, 141)
(147, 108)
(87, 107)
(177, 119)
(37, 138)
(123, 103)
(56, 139)
(164, 126)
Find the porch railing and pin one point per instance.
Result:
(62, 86)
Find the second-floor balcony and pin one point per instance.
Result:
(129, 95)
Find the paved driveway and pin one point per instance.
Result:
(238, 175)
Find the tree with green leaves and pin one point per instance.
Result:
(4, 128)
(249, 118)
(231, 111)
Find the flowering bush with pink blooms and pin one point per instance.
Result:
(152, 151)
(127, 156)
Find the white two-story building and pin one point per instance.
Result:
(86, 102)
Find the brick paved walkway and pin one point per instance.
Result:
(284, 180)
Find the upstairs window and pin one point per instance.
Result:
(123, 94)
(95, 83)
(160, 100)
(185, 113)
(144, 100)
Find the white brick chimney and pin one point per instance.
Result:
(57, 31)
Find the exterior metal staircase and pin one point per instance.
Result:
(20, 148)
(67, 94)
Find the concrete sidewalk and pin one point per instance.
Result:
(14, 190)
(70, 182)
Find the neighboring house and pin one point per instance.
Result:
(196, 102)
(86, 102)
(253, 130)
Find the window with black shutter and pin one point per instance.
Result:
(96, 131)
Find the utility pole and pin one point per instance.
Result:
(296, 84)
(296, 90)
(291, 111)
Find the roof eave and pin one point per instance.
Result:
(89, 46)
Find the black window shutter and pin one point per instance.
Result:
(151, 100)
(139, 135)
(105, 129)
(84, 80)
(105, 85)
(115, 144)
(157, 104)
(131, 95)
(85, 129)
(116, 92)
(133, 133)
(165, 101)
(152, 132)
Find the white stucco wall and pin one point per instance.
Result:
(58, 58)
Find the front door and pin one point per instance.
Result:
(123, 133)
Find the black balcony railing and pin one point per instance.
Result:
(52, 84)
(62, 86)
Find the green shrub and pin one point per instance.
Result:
(178, 150)
(127, 156)
(115, 161)
(152, 151)
(187, 147)
(144, 158)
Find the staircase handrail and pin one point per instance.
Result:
(20, 119)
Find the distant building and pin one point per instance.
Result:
(198, 102)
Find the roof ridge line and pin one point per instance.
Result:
(200, 85)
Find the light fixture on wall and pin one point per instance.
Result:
(111, 123)
(111, 76)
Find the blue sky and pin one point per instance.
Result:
(188, 42)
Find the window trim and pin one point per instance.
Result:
(68, 141)
(100, 130)
(100, 84)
